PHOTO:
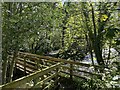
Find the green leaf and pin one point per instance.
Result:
(111, 32)
(117, 42)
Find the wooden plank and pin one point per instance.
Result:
(27, 78)
(29, 56)
(52, 62)
(66, 67)
(23, 70)
(27, 65)
(76, 75)
(44, 81)
(43, 66)
(28, 61)
(34, 63)
(48, 86)
(27, 69)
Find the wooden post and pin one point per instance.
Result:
(38, 64)
(37, 67)
(15, 66)
(24, 66)
(57, 74)
(71, 71)
(43, 85)
(42, 77)
(56, 78)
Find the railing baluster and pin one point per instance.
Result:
(71, 71)
(36, 79)
(24, 66)
(56, 78)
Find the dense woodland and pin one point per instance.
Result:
(68, 30)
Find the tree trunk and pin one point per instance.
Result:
(4, 69)
(0, 46)
(12, 67)
(97, 42)
(63, 36)
(64, 23)
(5, 60)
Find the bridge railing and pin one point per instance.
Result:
(47, 68)
(72, 68)
(30, 64)
(36, 79)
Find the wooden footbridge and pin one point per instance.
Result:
(43, 72)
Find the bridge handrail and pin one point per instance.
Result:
(30, 77)
(58, 59)
(72, 64)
